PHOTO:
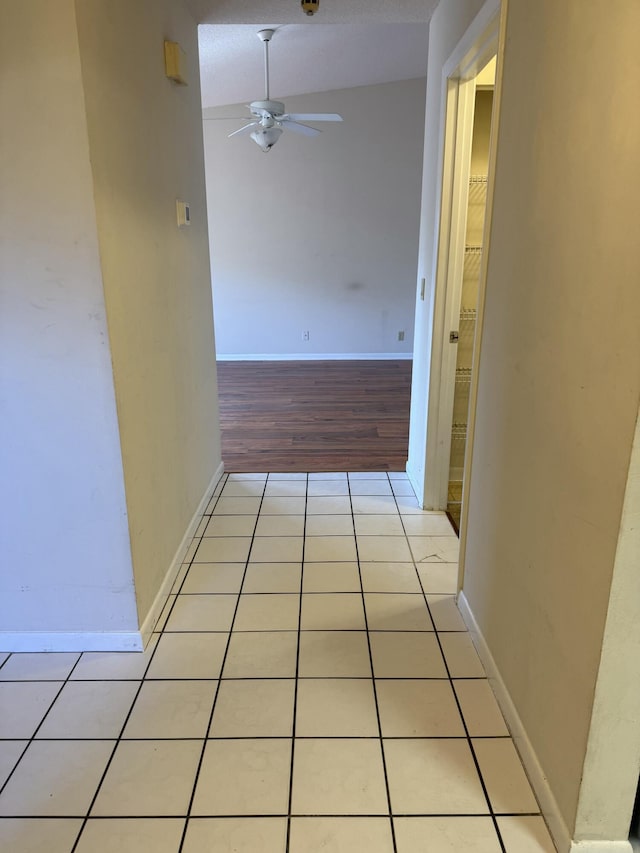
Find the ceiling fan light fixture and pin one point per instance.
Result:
(266, 137)
(269, 117)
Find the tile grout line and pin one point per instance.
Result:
(455, 696)
(243, 815)
(69, 680)
(143, 680)
(311, 592)
(222, 664)
(373, 679)
(253, 678)
(265, 737)
(135, 698)
(293, 630)
(295, 693)
(306, 630)
(113, 751)
(269, 815)
(46, 714)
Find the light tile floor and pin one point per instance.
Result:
(310, 686)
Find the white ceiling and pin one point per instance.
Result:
(304, 58)
(329, 12)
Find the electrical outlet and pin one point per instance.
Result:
(305, 336)
(400, 336)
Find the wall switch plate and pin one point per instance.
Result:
(183, 213)
(305, 336)
(400, 336)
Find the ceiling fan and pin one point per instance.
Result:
(269, 118)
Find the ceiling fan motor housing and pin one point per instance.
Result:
(273, 108)
(310, 7)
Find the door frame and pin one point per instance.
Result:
(479, 44)
(460, 107)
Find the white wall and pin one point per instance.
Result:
(558, 395)
(66, 565)
(145, 134)
(318, 234)
(448, 24)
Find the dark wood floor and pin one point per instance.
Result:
(314, 415)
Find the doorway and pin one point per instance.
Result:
(432, 413)
(466, 287)
(314, 250)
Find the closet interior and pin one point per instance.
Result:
(469, 297)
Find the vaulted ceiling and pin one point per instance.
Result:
(307, 58)
(346, 43)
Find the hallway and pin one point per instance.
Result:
(252, 722)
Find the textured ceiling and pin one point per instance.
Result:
(330, 11)
(306, 58)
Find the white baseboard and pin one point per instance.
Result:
(111, 641)
(146, 629)
(70, 641)
(539, 783)
(416, 485)
(316, 356)
(548, 804)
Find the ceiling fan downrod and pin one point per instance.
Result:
(265, 37)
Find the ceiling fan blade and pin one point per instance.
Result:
(225, 118)
(304, 129)
(245, 129)
(313, 116)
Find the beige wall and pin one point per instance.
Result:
(145, 135)
(66, 579)
(481, 134)
(559, 383)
